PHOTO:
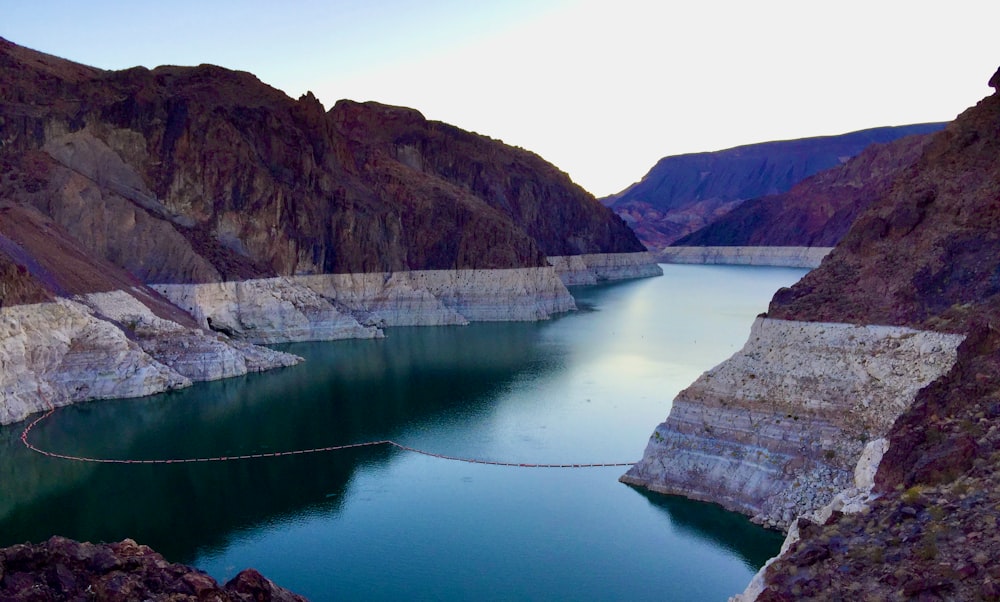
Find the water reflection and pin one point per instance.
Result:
(726, 530)
(345, 392)
(587, 387)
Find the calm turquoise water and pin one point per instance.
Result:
(384, 524)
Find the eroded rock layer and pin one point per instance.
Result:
(777, 429)
(602, 267)
(339, 306)
(108, 345)
(797, 257)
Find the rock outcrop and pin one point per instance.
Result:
(792, 257)
(63, 569)
(684, 193)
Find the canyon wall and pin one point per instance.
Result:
(776, 430)
(794, 257)
(174, 217)
(819, 210)
(340, 306)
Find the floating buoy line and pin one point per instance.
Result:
(315, 450)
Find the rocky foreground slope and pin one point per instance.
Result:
(684, 193)
(158, 223)
(902, 483)
(63, 569)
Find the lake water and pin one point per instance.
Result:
(380, 523)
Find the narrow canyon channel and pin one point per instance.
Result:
(383, 523)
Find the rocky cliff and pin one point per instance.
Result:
(776, 430)
(924, 257)
(157, 222)
(684, 193)
(200, 174)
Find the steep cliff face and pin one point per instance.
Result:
(202, 174)
(924, 256)
(684, 193)
(541, 200)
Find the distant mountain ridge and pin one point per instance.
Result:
(819, 210)
(684, 193)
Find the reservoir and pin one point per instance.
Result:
(383, 523)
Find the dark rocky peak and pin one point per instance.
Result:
(223, 176)
(309, 102)
(11, 53)
(211, 85)
(538, 197)
(374, 122)
(995, 82)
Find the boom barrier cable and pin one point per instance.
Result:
(314, 450)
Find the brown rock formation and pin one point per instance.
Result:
(201, 174)
(44, 261)
(926, 254)
(63, 569)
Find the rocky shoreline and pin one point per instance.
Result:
(778, 429)
(66, 351)
(604, 267)
(112, 345)
(790, 257)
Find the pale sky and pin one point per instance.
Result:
(600, 89)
